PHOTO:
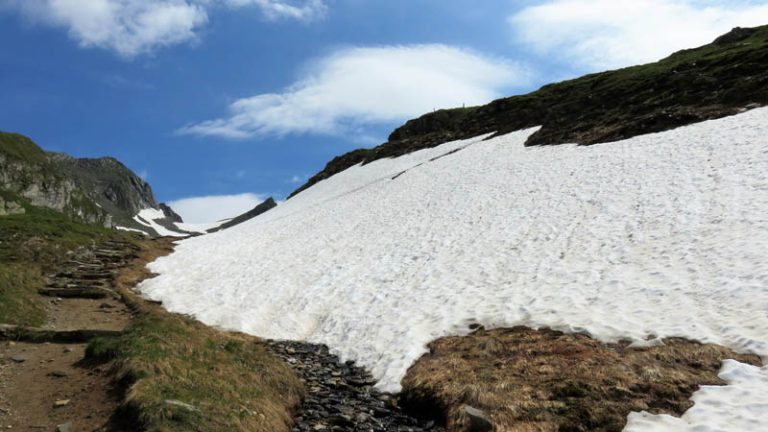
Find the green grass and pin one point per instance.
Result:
(32, 244)
(44, 236)
(224, 382)
(19, 302)
(19, 147)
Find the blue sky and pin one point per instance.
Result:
(213, 98)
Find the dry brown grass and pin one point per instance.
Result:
(181, 375)
(543, 380)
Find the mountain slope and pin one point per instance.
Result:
(113, 186)
(101, 191)
(690, 86)
(661, 235)
(481, 221)
(27, 172)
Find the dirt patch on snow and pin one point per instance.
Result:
(544, 380)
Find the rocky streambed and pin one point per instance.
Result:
(340, 396)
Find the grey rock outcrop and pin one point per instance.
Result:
(10, 207)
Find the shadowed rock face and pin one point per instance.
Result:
(544, 380)
(265, 206)
(109, 183)
(716, 80)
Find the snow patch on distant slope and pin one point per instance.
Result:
(149, 216)
(663, 234)
(122, 228)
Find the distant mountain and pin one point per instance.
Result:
(713, 81)
(101, 191)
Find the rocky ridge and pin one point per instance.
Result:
(265, 206)
(101, 191)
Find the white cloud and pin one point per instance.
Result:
(600, 34)
(306, 10)
(215, 208)
(129, 27)
(134, 27)
(355, 87)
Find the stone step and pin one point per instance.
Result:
(38, 335)
(71, 283)
(85, 275)
(78, 292)
(81, 264)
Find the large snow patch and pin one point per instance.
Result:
(663, 235)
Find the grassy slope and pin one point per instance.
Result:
(230, 380)
(181, 375)
(21, 148)
(19, 302)
(30, 245)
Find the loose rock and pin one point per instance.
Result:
(478, 421)
(340, 396)
(61, 403)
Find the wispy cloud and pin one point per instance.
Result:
(214, 208)
(307, 10)
(135, 27)
(355, 87)
(600, 34)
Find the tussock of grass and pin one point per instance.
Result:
(184, 376)
(19, 302)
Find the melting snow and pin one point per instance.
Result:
(664, 234)
(122, 228)
(148, 217)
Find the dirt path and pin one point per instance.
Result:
(50, 375)
(46, 386)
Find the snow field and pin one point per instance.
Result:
(661, 235)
